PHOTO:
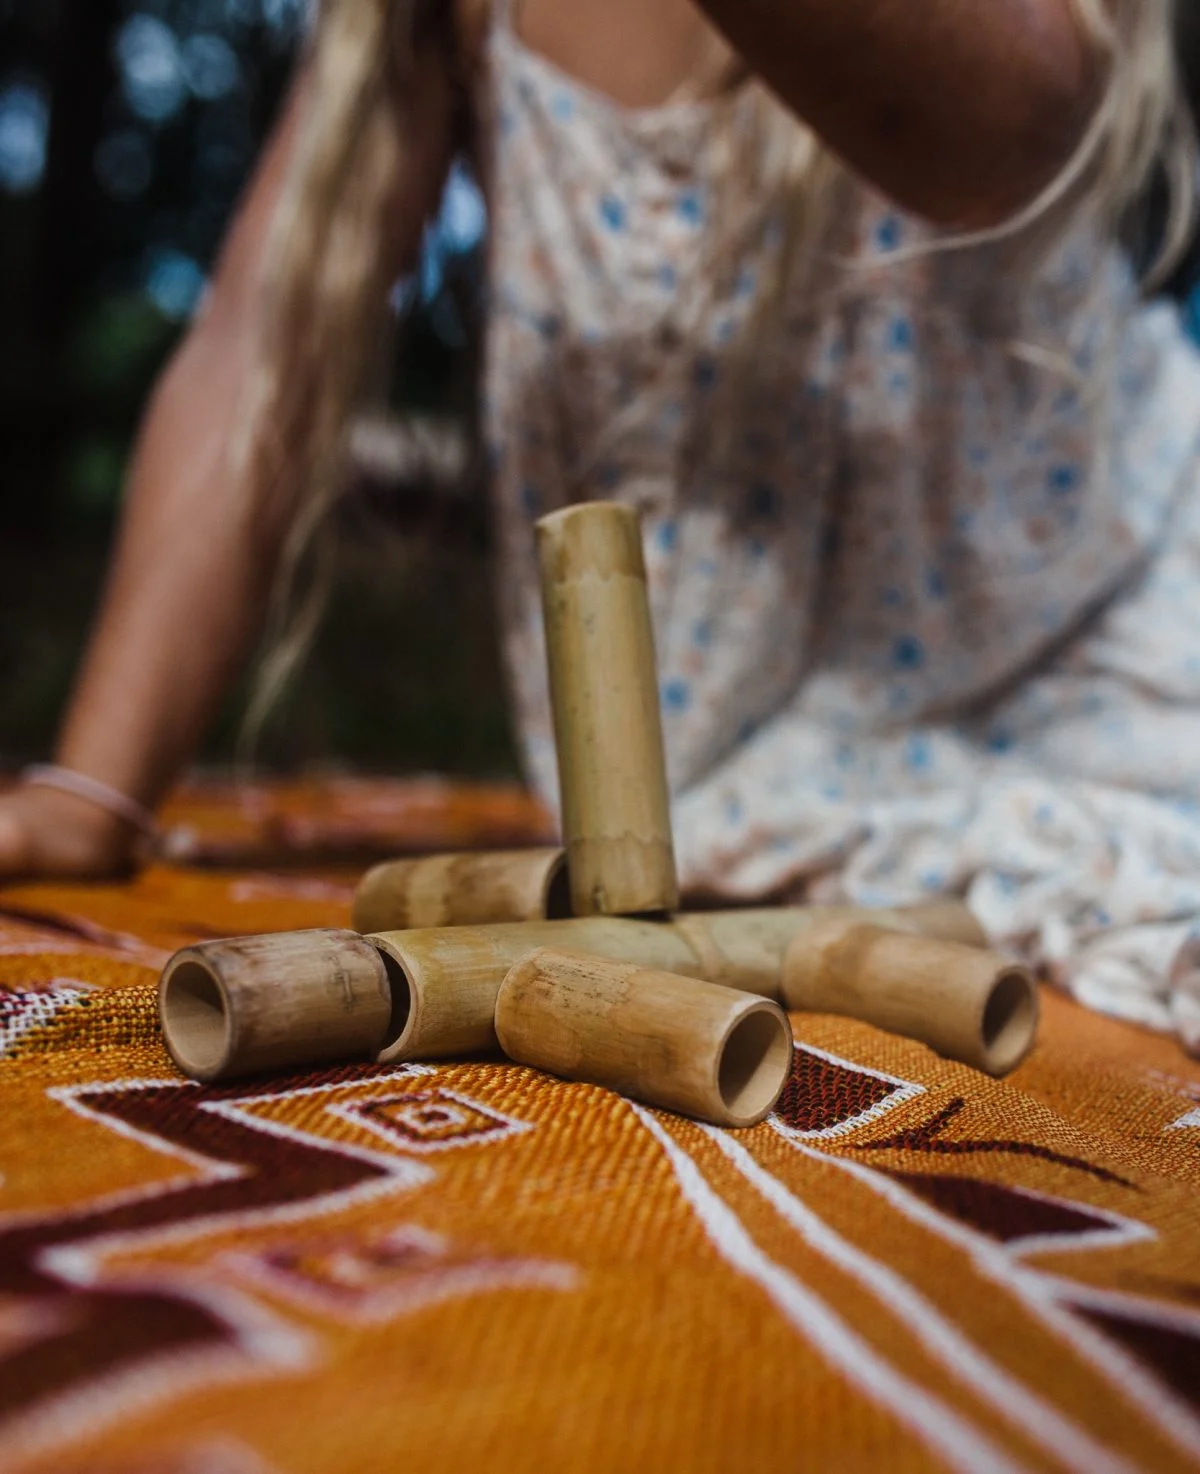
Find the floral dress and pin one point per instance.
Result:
(922, 531)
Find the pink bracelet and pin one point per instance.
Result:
(91, 790)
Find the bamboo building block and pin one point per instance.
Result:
(674, 1042)
(469, 889)
(444, 980)
(948, 920)
(277, 1002)
(607, 725)
(967, 1004)
(744, 948)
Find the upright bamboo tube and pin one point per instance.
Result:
(278, 1002)
(968, 1004)
(674, 1042)
(604, 690)
(470, 889)
(444, 980)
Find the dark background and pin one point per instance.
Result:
(127, 129)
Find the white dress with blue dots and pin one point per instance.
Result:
(922, 533)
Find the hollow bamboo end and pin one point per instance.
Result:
(754, 1064)
(402, 1022)
(556, 903)
(197, 1023)
(1010, 1019)
(282, 1001)
(967, 1004)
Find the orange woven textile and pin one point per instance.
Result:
(474, 1266)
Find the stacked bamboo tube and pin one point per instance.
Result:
(577, 960)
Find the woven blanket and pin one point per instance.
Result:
(477, 1267)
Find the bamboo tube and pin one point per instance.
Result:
(967, 1004)
(277, 1002)
(469, 889)
(744, 948)
(673, 1042)
(607, 725)
(444, 980)
(947, 920)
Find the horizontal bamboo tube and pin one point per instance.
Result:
(948, 920)
(967, 1004)
(616, 815)
(278, 1002)
(444, 980)
(470, 889)
(674, 1042)
(744, 948)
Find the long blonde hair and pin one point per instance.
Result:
(323, 315)
(323, 327)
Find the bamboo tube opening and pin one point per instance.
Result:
(401, 989)
(201, 1031)
(558, 893)
(755, 1058)
(242, 1005)
(1009, 1019)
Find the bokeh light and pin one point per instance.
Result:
(24, 130)
(210, 66)
(175, 283)
(151, 67)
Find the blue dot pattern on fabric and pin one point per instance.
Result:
(1063, 478)
(918, 753)
(613, 212)
(888, 233)
(676, 695)
(908, 653)
(667, 537)
(900, 335)
(691, 207)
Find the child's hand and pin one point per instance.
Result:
(45, 832)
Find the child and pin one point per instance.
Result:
(918, 475)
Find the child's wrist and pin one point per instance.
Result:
(63, 834)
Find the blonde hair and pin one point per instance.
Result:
(324, 318)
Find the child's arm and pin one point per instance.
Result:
(189, 583)
(960, 111)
